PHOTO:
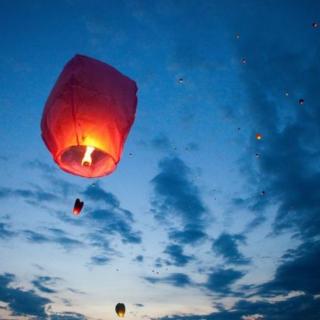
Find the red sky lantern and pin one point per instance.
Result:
(78, 205)
(88, 116)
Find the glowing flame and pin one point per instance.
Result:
(87, 160)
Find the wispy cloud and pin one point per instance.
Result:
(176, 255)
(111, 219)
(110, 223)
(22, 302)
(297, 272)
(37, 195)
(174, 279)
(178, 198)
(287, 168)
(221, 280)
(161, 142)
(53, 235)
(67, 316)
(301, 307)
(5, 232)
(226, 246)
(27, 303)
(45, 283)
(139, 258)
(95, 193)
(100, 260)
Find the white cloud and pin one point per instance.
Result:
(253, 317)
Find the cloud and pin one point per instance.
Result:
(27, 303)
(161, 142)
(189, 235)
(37, 195)
(226, 246)
(139, 258)
(96, 193)
(42, 283)
(301, 307)
(36, 237)
(174, 279)
(5, 232)
(253, 317)
(53, 235)
(100, 260)
(52, 175)
(221, 280)
(101, 242)
(67, 316)
(21, 302)
(41, 166)
(140, 305)
(177, 197)
(177, 257)
(109, 222)
(111, 219)
(297, 272)
(288, 167)
(59, 236)
(192, 146)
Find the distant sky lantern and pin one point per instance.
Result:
(120, 310)
(88, 116)
(301, 101)
(258, 136)
(78, 205)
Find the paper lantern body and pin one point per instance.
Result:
(88, 116)
(120, 310)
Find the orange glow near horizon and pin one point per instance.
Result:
(87, 159)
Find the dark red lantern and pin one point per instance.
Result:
(88, 116)
(78, 205)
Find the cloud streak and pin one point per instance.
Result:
(226, 246)
(177, 198)
(175, 279)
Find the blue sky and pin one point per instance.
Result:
(200, 220)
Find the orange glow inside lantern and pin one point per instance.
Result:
(88, 116)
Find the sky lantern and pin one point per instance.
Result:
(78, 205)
(258, 136)
(120, 310)
(88, 116)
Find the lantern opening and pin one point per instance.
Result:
(86, 161)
